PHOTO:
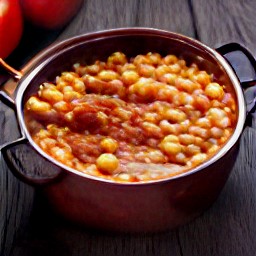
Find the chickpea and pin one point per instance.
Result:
(158, 106)
(203, 122)
(181, 158)
(193, 149)
(42, 134)
(184, 126)
(122, 113)
(61, 85)
(214, 91)
(55, 131)
(182, 99)
(185, 85)
(175, 115)
(175, 68)
(170, 59)
(61, 106)
(171, 138)
(216, 113)
(146, 70)
(108, 75)
(151, 117)
(198, 131)
(140, 59)
(224, 123)
(171, 148)
(201, 102)
(128, 67)
(182, 63)
(198, 158)
(68, 76)
(34, 104)
(107, 163)
(109, 145)
(213, 149)
(202, 78)
(168, 128)
(92, 69)
(198, 141)
(117, 58)
(156, 156)
(167, 93)
(154, 58)
(162, 70)
(227, 134)
(190, 72)
(130, 77)
(71, 95)
(67, 88)
(168, 78)
(186, 139)
(193, 115)
(219, 117)
(144, 88)
(151, 129)
(216, 132)
(51, 95)
(79, 86)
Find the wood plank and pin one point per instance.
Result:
(93, 16)
(169, 15)
(16, 198)
(228, 228)
(100, 15)
(48, 236)
(218, 22)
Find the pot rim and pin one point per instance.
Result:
(72, 42)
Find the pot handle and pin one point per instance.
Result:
(27, 165)
(249, 84)
(24, 162)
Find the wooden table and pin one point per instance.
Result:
(228, 228)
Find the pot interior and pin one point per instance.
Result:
(87, 49)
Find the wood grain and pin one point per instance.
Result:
(227, 228)
(169, 15)
(99, 15)
(16, 198)
(218, 22)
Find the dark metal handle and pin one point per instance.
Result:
(27, 165)
(24, 162)
(248, 85)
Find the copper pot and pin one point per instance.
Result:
(104, 204)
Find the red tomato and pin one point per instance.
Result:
(50, 14)
(11, 26)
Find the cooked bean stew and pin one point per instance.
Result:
(129, 120)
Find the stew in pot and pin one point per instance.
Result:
(132, 119)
